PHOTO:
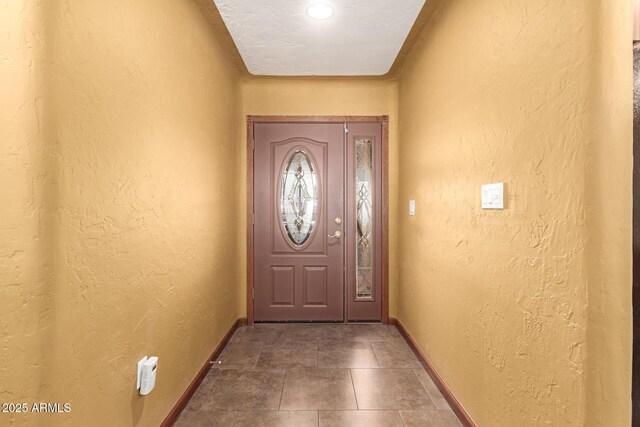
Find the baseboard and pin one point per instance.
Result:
(202, 373)
(457, 408)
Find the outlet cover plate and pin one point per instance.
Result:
(139, 377)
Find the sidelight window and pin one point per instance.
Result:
(364, 218)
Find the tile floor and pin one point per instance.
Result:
(318, 375)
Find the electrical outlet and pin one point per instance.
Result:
(139, 378)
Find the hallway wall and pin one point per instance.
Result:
(147, 99)
(141, 112)
(525, 312)
(27, 200)
(123, 217)
(301, 96)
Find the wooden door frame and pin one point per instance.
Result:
(384, 121)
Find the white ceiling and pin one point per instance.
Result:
(278, 38)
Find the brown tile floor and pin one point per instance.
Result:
(318, 375)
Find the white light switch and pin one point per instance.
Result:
(493, 196)
(412, 208)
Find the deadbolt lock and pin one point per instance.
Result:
(337, 220)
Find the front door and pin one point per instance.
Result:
(317, 221)
(298, 229)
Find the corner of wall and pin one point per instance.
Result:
(528, 100)
(29, 172)
(608, 213)
(119, 236)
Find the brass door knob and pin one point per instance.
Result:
(336, 235)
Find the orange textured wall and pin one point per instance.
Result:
(140, 112)
(122, 220)
(27, 202)
(526, 311)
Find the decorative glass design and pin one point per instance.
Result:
(299, 198)
(364, 217)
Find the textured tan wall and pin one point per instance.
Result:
(525, 312)
(608, 208)
(145, 105)
(27, 200)
(328, 97)
(119, 237)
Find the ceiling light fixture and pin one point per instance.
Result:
(320, 11)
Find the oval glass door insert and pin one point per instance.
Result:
(299, 198)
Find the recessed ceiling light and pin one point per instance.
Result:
(320, 11)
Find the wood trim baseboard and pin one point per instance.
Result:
(457, 408)
(177, 409)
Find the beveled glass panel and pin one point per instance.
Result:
(365, 220)
(299, 198)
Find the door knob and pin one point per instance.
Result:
(337, 234)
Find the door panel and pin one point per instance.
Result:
(315, 286)
(299, 190)
(282, 279)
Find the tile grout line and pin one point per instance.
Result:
(282, 391)
(424, 388)
(235, 418)
(353, 386)
(375, 355)
(401, 419)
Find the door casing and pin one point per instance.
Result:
(384, 120)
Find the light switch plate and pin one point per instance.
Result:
(412, 208)
(493, 196)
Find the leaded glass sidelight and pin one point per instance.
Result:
(364, 218)
(299, 197)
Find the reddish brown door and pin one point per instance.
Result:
(299, 203)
